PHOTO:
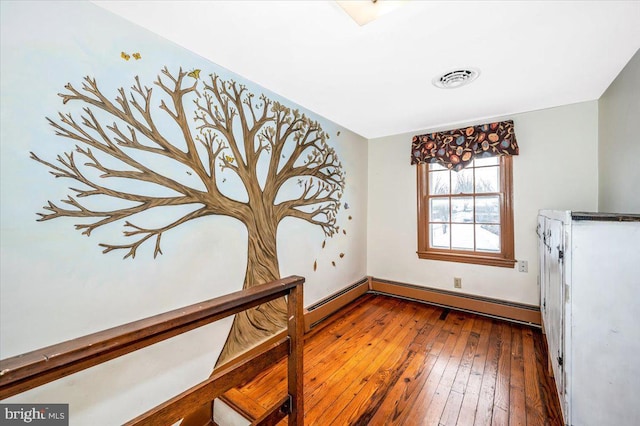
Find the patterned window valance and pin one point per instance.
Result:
(455, 149)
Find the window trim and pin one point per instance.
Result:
(506, 258)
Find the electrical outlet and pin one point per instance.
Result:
(457, 282)
(523, 266)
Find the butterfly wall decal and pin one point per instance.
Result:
(126, 56)
(194, 74)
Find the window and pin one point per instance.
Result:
(466, 216)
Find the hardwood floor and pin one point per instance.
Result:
(387, 361)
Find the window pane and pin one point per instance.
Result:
(488, 209)
(439, 210)
(439, 182)
(462, 209)
(462, 181)
(488, 179)
(488, 238)
(478, 229)
(439, 235)
(487, 161)
(436, 166)
(461, 237)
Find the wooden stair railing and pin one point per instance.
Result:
(29, 370)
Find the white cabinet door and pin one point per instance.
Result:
(552, 291)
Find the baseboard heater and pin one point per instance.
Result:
(500, 309)
(323, 308)
(494, 308)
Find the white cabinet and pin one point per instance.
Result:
(552, 293)
(589, 266)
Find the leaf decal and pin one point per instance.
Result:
(315, 265)
(341, 255)
(324, 243)
(333, 263)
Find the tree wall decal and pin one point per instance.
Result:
(222, 128)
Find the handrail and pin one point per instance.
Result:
(29, 370)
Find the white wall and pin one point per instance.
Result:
(556, 169)
(56, 284)
(619, 142)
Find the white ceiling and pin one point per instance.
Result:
(376, 79)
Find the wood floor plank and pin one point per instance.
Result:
(346, 342)
(472, 392)
(371, 396)
(400, 397)
(452, 409)
(500, 416)
(484, 411)
(331, 382)
(343, 393)
(388, 361)
(454, 401)
(363, 302)
(548, 393)
(374, 396)
(341, 333)
(418, 374)
(420, 410)
(328, 380)
(350, 321)
(517, 404)
(439, 400)
(534, 408)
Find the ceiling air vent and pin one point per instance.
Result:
(456, 78)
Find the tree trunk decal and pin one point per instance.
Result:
(218, 129)
(259, 323)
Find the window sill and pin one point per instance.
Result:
(468, 258)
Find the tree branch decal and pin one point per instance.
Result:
(128, 150)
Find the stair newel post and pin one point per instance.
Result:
(295, 364)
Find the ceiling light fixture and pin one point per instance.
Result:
(455, 78)
(365, 11)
